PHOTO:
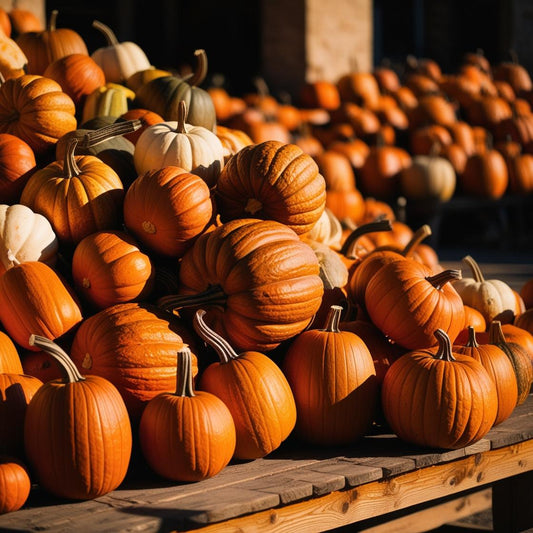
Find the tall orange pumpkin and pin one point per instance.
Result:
(77, 434)
(255, 390)
(333, 377)
(39, 302)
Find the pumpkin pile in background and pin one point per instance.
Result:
(172, 254)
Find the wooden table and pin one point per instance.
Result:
(381, 484)
(298, 489)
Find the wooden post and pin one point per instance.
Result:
(310, 40)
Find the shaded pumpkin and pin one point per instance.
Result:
(15, 485)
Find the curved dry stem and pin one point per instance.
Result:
(220, 345)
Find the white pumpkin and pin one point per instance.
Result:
(118, 60)
(493, 298)
(175, 143)
(25, 236)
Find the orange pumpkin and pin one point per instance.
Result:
(15, 485)
(10, 362)
(189, 435)
(43, 111)
(77, 434)
(332, 374)
(109, 268)
(17, 163)
(273, 181)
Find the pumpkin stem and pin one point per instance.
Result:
(418, 236)
(377, 225)
(438, 280)
(182, 117)
(108, 132)
(70, 372)
(472, 341)
(444, 351)
(474, 267)
(201, 68)
(496, 335)
(107, 31)
(184, 386)
(70, 168)
(51, 26)
(12, 257)
(221, 345)
(214, 295)
(333, 319)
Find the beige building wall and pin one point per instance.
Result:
(309, 40)
(35, 6)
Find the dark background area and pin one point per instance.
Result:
(170, 30)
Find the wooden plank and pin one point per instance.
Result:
(434, 516)
(379, 498)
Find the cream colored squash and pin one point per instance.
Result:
(12, 58)
(118, 60)
(493, 298)
(25, 236)
(175, 143)
(327, 230)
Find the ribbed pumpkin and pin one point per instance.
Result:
(519, 357)
(193, 148)
(133, 346)
(167, 209)
(25, 236)
(17, 163)
(255, 390)
(188, 435)
(408, 302)
(16, 391)
(39, 301)
(105, 101)
(500, 369)
(109, 268)
(232, 140)
(36, 110)
(9, 358)
(259, 281)
(118, 60)
(448, 400)
(15, 485)
(164, 94)
(78, 74)
(77, 433)
(273, 181)
(79, 195)
(333, 377)
(493, 298)
(44, 47)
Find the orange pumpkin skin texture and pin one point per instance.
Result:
(408, 302)
(448, 400)
(500, 370)
(10, 362)
(46, 46)
(333, 377)
(17, 163)
(79, 195)
(265, 277)
(189, 435)
(109, 268)
(134, 347)
(77, 433)
(272, 180)
(36, 110)
(474, 318)
(255, 390)
(16, 391)
(167, 209)
(78, 74)
(15, 485)
(39, 301)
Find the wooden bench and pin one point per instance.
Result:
(298, 488)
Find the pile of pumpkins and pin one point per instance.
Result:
(195, 285)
